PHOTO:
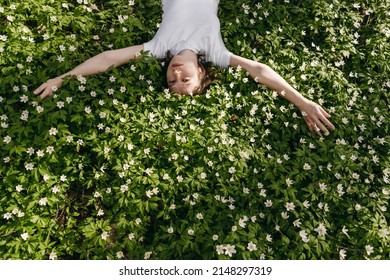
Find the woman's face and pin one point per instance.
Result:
(183, 75)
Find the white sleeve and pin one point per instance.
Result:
(155, 48)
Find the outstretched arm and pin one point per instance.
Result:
(95, 65)
(314, 115)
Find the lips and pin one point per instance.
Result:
(177, 65)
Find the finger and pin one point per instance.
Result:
(321, 127)
(325, 113)
(317, 130)
(46, 93)
(325, 120)
(309, 125)
(41, 88)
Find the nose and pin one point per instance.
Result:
(176, 73)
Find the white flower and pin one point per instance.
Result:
(149, 193)
(120, 255)
(322, 186)
(63, 178)
(138, 221)
(7, 216)
(40, 153)
(358, 207)
(306, 166)
(268, 238)
(19, 188)
(87, 110)
(242, 223)
(97, 195)
(297, 223)
(53, 256)
(342, 254)
(290, 206)
(7, 139)
(289, 182)
(306, 204)
(220, 249)
(303, 235)
(24, 236)
(268, 203)
(53, 131)
(321, 230)
(251, 246)
(344, 230)
(190, 232)
(43, 201)
(215, 237)
(199, 216)
(147, 255)
(29, 166)
(124, 188)
(49, 150)
(285, 215)
(230, 249)
(104, 235)
(149, 171)
(100, 213)
(24, 98)
(131, 236)
(170, 230)
(55, 189)
(179, 178)
(369, 249)
(30, 151)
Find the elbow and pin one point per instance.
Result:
(107, 59)
(260, 71)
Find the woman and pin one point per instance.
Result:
(188, 28)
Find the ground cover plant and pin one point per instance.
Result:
(116, 167)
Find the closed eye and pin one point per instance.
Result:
(185, 80)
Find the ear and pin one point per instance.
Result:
(201, 71)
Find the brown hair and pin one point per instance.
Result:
(209, 72)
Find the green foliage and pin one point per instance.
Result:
(117, 167)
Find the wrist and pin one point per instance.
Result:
(301, 102)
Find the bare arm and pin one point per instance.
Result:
(95, 65)
(314, 115)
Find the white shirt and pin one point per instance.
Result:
(193, 25)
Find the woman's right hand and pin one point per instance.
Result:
(47, 89)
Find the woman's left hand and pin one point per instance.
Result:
(316, 118)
